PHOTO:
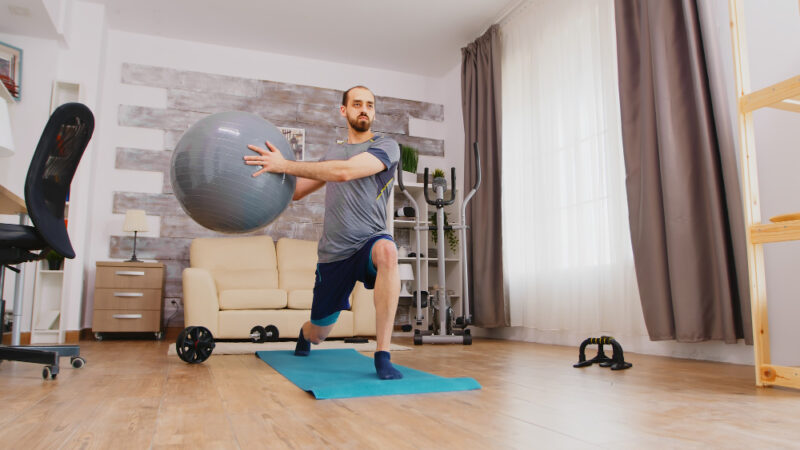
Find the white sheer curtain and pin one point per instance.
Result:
(569, 263)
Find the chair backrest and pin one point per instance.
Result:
(54, 162)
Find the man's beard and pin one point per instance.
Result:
(358, 125)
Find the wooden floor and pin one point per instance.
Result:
(132, 395)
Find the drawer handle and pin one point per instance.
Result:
(127, 316)
(128, 294)
(131, 273)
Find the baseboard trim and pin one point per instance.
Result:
(24, 338)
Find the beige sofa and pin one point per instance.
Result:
(235, 283)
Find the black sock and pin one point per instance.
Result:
(384, 367)
(303, 346)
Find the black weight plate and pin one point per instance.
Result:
(194, 344)
(271, 333)
(258, 334)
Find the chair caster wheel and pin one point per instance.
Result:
(77, 362)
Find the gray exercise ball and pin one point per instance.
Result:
(214, 185)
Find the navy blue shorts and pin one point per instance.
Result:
(336, 280)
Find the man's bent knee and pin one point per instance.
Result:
(384, 254)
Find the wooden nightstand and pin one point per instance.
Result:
(128, 297)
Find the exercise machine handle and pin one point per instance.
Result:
(437, 202)
(400, 178)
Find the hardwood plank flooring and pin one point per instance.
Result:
(132, 395)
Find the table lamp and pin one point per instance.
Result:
(136, 221)
(406, 274)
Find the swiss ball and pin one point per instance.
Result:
(214, 185)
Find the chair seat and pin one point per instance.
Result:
(20, 236)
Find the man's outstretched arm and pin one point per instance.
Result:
(271, 160)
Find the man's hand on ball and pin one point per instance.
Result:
(270, 160)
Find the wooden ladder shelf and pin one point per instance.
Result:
(785, 96)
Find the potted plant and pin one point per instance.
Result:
(409, 158)
(54, 260)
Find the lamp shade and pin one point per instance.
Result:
(135, 220)
(6, 138)
(406, 272)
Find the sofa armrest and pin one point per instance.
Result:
(200, 301)
(363, 309)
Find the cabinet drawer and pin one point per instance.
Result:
(138, 299)
(126, 320)
(129, 277)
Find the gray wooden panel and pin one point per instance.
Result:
(390, 123)
(296, 93)
(140, 159)
(426, 146)
(166, 187)
(153, 204)
(224, 84)
(327, 115)
(149, 248)
(304, 211)
(213, 102)
(399, 106)
(184, 227)
(161, 119)
(173, 274)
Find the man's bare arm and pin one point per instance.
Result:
(305, 186)
(271, 160)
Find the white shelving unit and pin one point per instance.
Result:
(48, 306)
(403, 231)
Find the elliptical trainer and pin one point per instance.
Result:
(445, 328)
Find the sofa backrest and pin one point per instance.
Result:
(237, 262)
(297, 263)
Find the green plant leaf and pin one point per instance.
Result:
(409, 157)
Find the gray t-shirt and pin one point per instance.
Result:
(355, 210)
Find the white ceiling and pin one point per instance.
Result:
(414, 36)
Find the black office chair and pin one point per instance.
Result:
(54, 162)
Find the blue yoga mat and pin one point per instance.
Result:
(345, 373)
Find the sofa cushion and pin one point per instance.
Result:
(252, 299)
(245, 279)
(297, 263)
(300, 299)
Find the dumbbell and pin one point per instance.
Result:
(264, 334)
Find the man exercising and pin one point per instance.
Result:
(355, 244)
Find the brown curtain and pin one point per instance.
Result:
(480, 101)
(687, 226)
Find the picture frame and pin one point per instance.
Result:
(11, 67)
(297, 141)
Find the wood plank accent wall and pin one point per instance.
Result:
(194, 95)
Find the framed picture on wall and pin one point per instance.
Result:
(11, 69)
(297, 140)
